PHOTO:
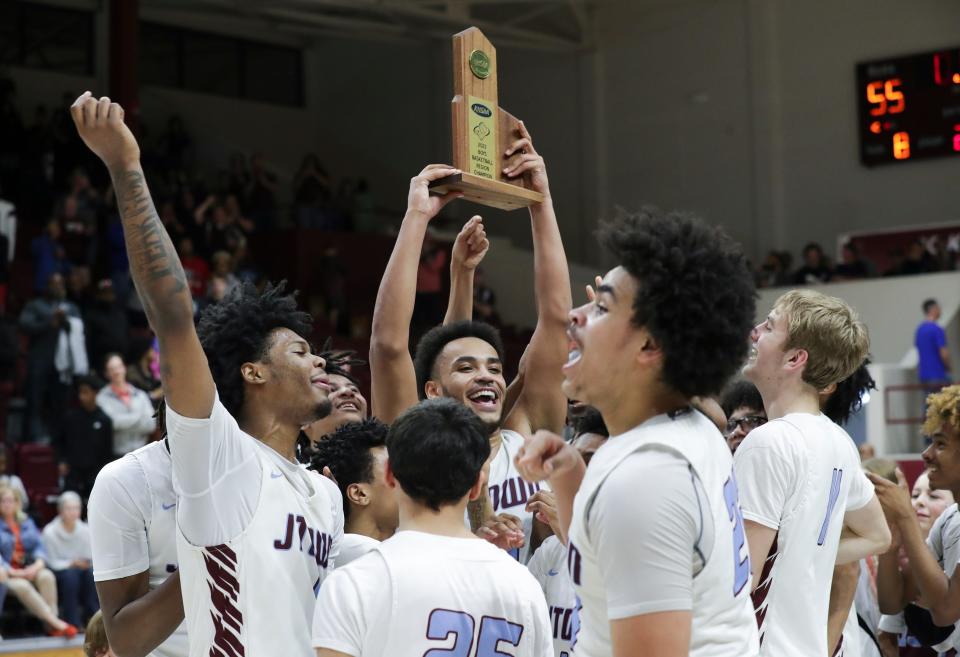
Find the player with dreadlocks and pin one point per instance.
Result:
(347, 402)
(251, 523)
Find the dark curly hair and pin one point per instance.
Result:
(695, 294)
(347, 453)
(740, 394)
(436, 450)
(434, 340)
(338, 361)
(590, 422)
(237, 330)
(847, 399)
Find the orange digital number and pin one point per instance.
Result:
(886, 97)
(876, 97)
(901, 145)
(894, 95)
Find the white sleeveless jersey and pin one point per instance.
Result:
(548, 565)
(419, 593)
(722, 622)
(509, 492)
(799, 475)
(232, 592)
(132, 516)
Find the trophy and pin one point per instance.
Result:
(482, 130)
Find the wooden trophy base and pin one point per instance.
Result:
(487, 192)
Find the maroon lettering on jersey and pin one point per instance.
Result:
(759, 594)
(311, 541)
(573, 563)
(512, 492)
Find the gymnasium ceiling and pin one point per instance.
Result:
(559, 25)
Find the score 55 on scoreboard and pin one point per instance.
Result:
(909, 107)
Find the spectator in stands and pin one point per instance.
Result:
(238, 179)
(106, 325)
(222, 267)
(24, 560)
(196, 268)
(49, 256)
(918, 260)
(852, 265)
(128, 407)
(44, 320)
(95, 643)
(484, 300)
(261, 193)
(12, 480)
(428, 309)
(931, 343)
(78, 288)
(774, 271)
(85, 442)
(67, 542)
(816, 269)
(141, 361)
(311, 193)
(742, 404)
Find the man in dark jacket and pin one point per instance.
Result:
(85, 442)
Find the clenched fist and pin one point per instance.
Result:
(100, 124)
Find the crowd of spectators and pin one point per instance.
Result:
(919, 256)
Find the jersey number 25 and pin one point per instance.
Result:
(460, 624)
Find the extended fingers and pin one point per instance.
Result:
(436, 172)
(525, 163)
(521, 145)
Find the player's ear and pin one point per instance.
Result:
(253, 373)
(358, 494)
(432, 389)
(479, 486)
(388, 478)
(796, 359)
(648, 348)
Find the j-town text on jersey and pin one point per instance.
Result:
(318, 545)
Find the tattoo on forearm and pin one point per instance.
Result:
(153, 259)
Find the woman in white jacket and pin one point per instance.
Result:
(67, 541)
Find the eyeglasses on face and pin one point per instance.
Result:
(748, 423)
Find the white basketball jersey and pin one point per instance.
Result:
(509, 492)
(254, 595)
(419, 593)
(722, 624)
(137, 490)
(548, 565)
(816, 466)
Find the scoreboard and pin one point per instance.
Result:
(909, 107)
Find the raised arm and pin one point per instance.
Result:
(154, 265)
(541, 404)
(393, 381)
(468, 250)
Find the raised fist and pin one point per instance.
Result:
(100, 124)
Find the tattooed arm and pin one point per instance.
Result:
(154, 264)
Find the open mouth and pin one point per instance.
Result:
(484, 399)
(573, 353)
(349, 407)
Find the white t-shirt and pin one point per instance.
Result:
(353, 547)
(799, 475)
(257, 535)
(132, 517)
(548, 565)
(656, 527)
(422, 592)
(509, 492)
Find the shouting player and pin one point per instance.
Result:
(250, 520)
(465, 360)
(799, 474)
(656, 550)
(433, 588)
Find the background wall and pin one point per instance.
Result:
(741, 110)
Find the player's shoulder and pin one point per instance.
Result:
(948, 522)
(778, 437)
(124, 482)
(325, 485)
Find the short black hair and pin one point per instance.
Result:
(339, 361)
(591, 421)
(812, 246)
(847, 399)
(928, 304)
(89, 380)
(695, 294)
(436, 451)
(738, 394)
(346, 452)
(238, 330)
(434, 340)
